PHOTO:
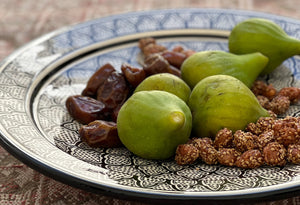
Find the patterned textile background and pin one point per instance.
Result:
(24, 20)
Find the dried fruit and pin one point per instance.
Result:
(100, 133)
(86, 109)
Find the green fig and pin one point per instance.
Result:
(202, 64)
(151, 124)
(266, 37)
(166, 82)
(222, 101)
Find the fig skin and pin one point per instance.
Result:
(166, 82)
(151, 124)
(202, 64)
(222, 101)
(264, 36)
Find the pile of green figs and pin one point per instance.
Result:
(212, 93)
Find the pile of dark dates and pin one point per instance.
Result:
(107, 89)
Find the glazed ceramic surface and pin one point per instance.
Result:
(36, 127)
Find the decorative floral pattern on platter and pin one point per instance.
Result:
(35, 82)
(130, 170)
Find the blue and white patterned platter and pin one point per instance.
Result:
(36, 128)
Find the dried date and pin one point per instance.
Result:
(115, 113)
(149, 46)
(113, 91)
(100, 134)
(174, 58)
(146, 41)
(155, 63)
(86, 109)
(97, 79)
(133, 75)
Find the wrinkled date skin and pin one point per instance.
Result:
(156, 63)
(100, 134)
(174, 58)
(97, 79)
(133, 75)
(113, 91)
(86, 109)
(115, 113)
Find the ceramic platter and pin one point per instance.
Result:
(36, 128)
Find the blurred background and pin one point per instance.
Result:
(24, 20)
